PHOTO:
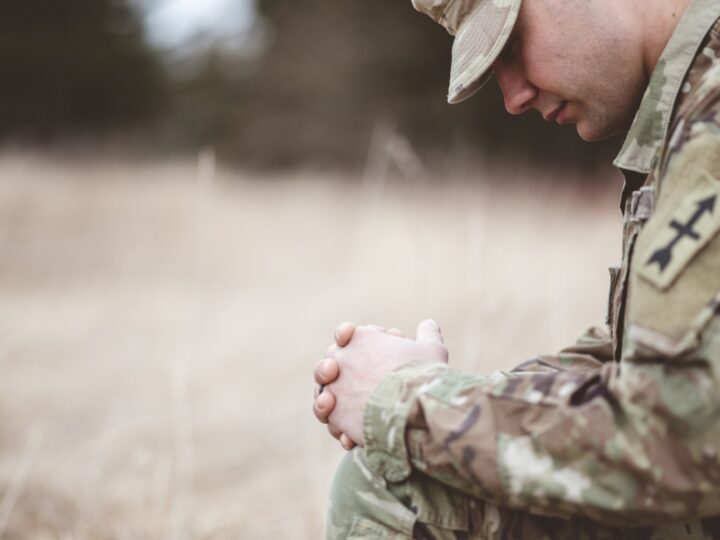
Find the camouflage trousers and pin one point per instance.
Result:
(364, 506)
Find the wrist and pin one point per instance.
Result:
(385, 418)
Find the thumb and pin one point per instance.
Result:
(428, 332)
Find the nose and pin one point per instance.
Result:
(517, 91)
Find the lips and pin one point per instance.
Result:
(552, 115)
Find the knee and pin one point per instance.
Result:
(352, 478)
(359, 498)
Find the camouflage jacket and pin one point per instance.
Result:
(623, 427)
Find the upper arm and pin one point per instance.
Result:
(676, 266)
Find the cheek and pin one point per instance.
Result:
(548, 58)
(550, 68)
(618, 92)
(607, 110)
(552, 76)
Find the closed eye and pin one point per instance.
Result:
(511, 47)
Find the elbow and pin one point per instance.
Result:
(672, 418)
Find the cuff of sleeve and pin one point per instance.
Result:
(385, 419)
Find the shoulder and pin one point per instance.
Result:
(702, 75)
(698, 105)
(675, 277)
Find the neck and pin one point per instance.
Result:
(658, 28)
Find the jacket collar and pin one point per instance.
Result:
(649, 128)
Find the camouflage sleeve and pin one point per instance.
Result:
(588, 354)
(634, 443)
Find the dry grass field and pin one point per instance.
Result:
(159, 322)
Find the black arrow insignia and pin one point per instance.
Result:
(663, 256)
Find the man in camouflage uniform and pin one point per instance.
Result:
(617, 436)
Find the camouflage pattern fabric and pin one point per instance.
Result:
(481, 29)
(616, 437)
(648, 134)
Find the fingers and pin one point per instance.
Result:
(332, 351)
(346, 442)
(375, 327)
(428, 332)
(344, 333)
(324, 405)
(326, 371)
(334, 431)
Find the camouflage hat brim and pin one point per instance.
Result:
(478, 42)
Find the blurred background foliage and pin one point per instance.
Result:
(76, 66)
(312, 82)
(143, 281)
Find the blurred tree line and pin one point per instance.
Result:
(328, 74)
(74, 66)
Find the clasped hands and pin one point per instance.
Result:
(356, 363)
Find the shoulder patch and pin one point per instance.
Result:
(686, 231)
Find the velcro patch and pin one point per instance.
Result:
(688, 229)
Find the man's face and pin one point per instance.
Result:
(575, 61)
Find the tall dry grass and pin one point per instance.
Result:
(159, 323)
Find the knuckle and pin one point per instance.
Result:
(319, 414)
(344, 334)
(321, 373)
(366, 329)
(342, 328)
(323, 406)
(442, 352)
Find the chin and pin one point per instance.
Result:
(590, 133)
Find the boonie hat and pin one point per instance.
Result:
(481, 29)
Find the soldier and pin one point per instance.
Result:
(617, 436)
